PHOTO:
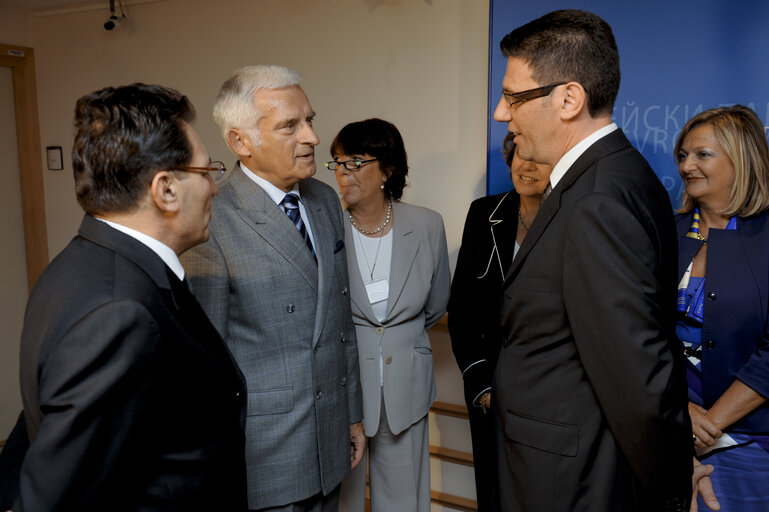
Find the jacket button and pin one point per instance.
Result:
(712, 296)
(319, 394)
(290, 308)
(344, 291)
(710, 344)
(344, 381)
(388, 359)
(341, 336)
(380, 330)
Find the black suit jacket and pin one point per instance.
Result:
(591, 395)
(484, 257)
(131, 398)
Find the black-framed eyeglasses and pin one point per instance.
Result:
(350, 165)
(513, 98)
(214, 169)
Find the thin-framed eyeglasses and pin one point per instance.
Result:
(514, 98)
(350, 165)
(214, 169)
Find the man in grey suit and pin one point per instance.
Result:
(273, 280)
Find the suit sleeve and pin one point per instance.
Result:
(207, 270)
(755, 372)
(440, 283)
(468, 305)
(95, 388)
(617, 311)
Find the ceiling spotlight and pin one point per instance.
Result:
(114, 21)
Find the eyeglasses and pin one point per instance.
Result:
(350, 165)
(214, 169)
(513, 98)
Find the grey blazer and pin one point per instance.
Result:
(287, 321)
(420, 281)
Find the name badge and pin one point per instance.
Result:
(378, 291)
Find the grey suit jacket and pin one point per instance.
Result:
(288, 324)
(420, 280)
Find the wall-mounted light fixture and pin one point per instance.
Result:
(114, 21)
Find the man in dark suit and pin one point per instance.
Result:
(132, 399)
(591, 397)
(273, 280)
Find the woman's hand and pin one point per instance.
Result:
(705, 431)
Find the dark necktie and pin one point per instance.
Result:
(290, 205)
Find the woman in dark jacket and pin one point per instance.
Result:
(723, 228)
(494, 229)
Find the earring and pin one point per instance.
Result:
(381, 187)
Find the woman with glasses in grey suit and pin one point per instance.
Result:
(399, 287)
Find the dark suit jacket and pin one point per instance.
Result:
(288, 322)
(132, 400)
(484, 258)
(474, 309)
(735, 339)
(591, 395)
(11, 457)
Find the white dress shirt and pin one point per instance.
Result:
(277, 195)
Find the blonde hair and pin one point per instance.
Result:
(742, 136)
(234, 106)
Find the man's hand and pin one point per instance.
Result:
(701, 484)
(704, 430)
(357, 442)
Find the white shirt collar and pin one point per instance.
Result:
(167, 254)
(274, 192)
(571, 156)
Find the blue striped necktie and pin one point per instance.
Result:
(290, 205)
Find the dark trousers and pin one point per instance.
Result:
(483, 433)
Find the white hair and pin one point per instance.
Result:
(234, 106)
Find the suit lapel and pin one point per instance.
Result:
(503, 216)
(257, 209)
(358, 294)
(611, 143)
(405, 247)
(322, 229)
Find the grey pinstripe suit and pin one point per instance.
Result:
(288, 324)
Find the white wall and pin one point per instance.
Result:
(15, 30)
(421, 64)
(14, 27)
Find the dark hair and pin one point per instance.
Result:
(570, 45)
(508, 148)
(123, 137)
(381, 140)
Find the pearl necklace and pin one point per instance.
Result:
(388, 216)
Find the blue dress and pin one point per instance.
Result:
(741, 475)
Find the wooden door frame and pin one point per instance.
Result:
(21, 60)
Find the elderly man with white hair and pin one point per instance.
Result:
(273, 280)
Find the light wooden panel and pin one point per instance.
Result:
(21, 60)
